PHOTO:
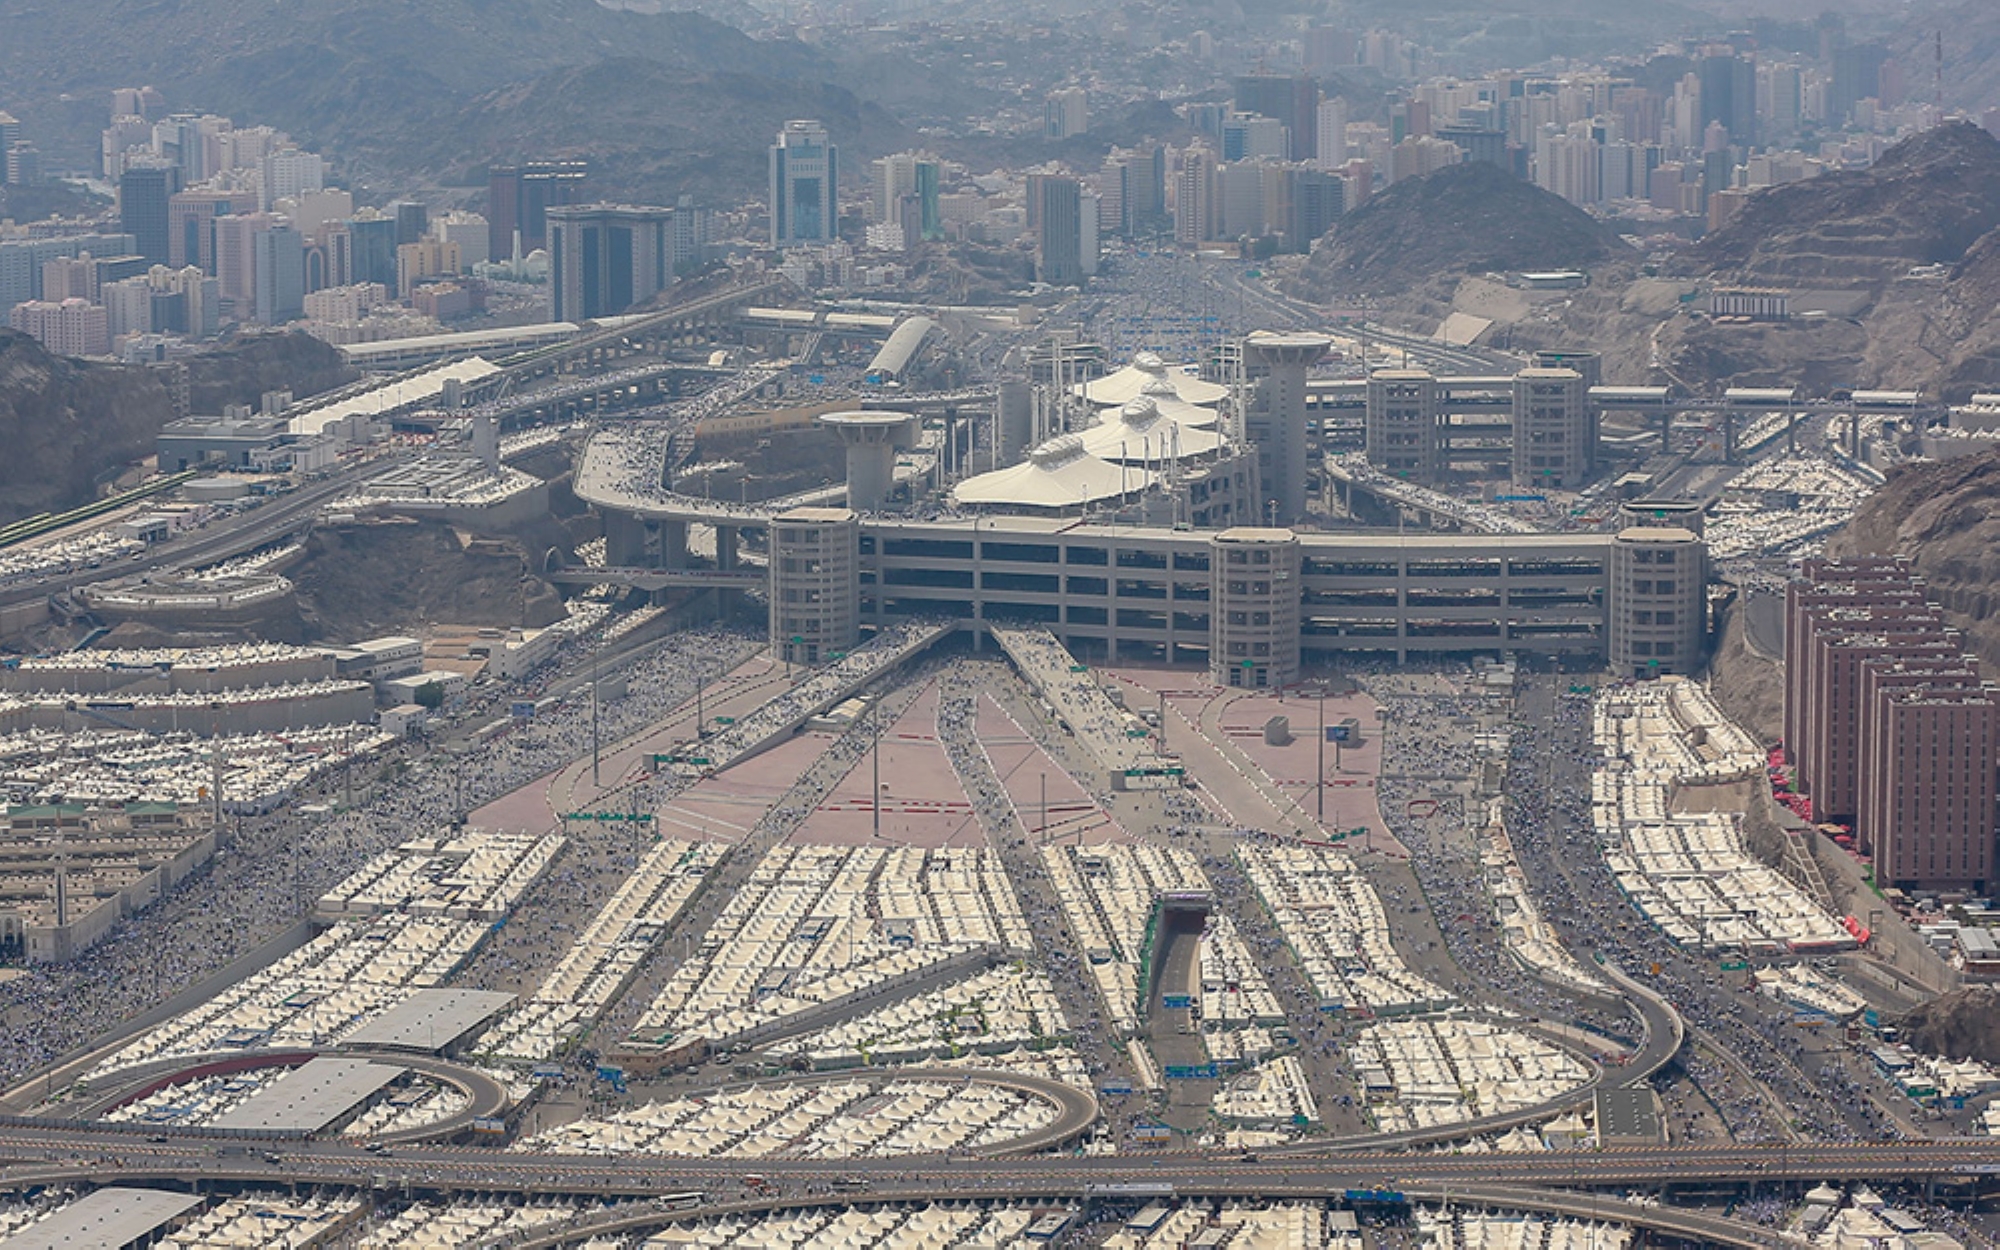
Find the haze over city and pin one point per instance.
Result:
(750, 623)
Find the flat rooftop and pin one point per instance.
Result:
(116, 1216)
(429, 1020)
(312, 1096)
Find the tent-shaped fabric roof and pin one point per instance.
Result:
(1139, 433)
(1126, 385)
(1057, 475)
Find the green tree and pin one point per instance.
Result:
(430, 695)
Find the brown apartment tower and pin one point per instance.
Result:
(1889, 724)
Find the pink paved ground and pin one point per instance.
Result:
(1074, 818)
(923, 803)
(724, 807)
(1237, 717)
(1350, 786)
(535, 807)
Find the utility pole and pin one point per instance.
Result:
(875, 754)
(1043, 827)
(1322, 755)
(596, 746)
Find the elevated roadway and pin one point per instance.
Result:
(1697, 1225)
(56, 1155)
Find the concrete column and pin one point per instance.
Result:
(725, 546)
(1014, 421)
(624, 540)
(673, 544)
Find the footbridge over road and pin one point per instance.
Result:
(620, 336)
(654, 580)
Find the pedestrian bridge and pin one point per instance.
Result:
(650, 579)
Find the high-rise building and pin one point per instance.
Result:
(1780, 100)
(1555, 435)
(1291, 100)
(604, 258)
(1250, 136)
(1479, 143)
(143, 195)
(1254, 621)
(22, 166)
(1857, 76)
(128, 308)
(1275, 420)
(1146, 187)
(465, 231)
(426, 259)
(1328, 47)
(311, 212)
(236, 260)
(894, 177)
(1239, 200)
(930, 212)
(413, 221)
(1659, 579)
(518, 198)
(1403, 428)
(1066, 113)
(1331, 133)
(280, 276)
(1729, 93)
(1317, 200)
(372, 249)
(71, 327)
(1059, 231)
(1419, 155)
(804, 185)
(690, 234)
(289, 173)
(191, 224)
(1889, 724)
(1194, 197)
(21, 260)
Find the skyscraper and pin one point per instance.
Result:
(519, 196)
(1059, 232)
(1294, 101)
(143, 194)
(805, 182)
(413, 221)
(604, 258)
(372, 248)
(895, 177)
(1729, 93)
(191, 224)
(279, 275)
(1194, 197)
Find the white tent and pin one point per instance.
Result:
(1139, 433)
(1056, 476)
(1127, 384)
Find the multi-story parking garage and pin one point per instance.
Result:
(1190, 597)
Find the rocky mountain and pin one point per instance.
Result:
(400, 93)
(69, 424)
(1963, 1024)
(1945, 515)
(65, 422)
(1470, 218)
(1925, 202)
(366, 580)
(1908, 252)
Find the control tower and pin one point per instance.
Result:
(1275, 422)
(872, 440)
